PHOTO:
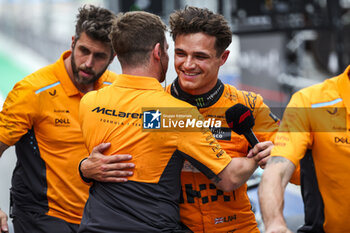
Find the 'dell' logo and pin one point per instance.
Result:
(61, 121)
(341, 140)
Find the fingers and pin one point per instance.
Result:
(119, 158)
(118, 167)
(117, 176)
(258, 148)
(114, 180)
(262, 163)
(101, 147)
(262, 154)
(113, 162)
(3, 222)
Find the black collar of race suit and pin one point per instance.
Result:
(200, 101)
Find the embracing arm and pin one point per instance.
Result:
(271, 193)
(104, 168)
(238, 171)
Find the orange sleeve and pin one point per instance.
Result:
(18, 113)
(205, 149)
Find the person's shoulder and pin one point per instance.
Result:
(38, 79)
(322, 91)
(247, 98)
(89, 97)
(316, 95)
(100, 95)
(109, 76)
(326, 84)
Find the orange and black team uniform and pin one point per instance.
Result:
(316, 124)
(148, 202)
(203, 207)
(40, 117)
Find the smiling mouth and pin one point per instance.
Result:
(190, 74)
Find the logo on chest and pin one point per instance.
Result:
(221, 133)
(342, 140)
(62, 122)
(225, 219)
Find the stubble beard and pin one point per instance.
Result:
(83, 81)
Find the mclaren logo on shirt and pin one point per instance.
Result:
(115, 113)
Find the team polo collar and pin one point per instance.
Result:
(137, 82)
(200, 101)
(66, 82)
(344, 87)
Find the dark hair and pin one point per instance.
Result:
(194, 20)
(95, 21)
(134, 35)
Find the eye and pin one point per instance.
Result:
(84, 50)
(180, 54)
(201, 57)
(101, 56)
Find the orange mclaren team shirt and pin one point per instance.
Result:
(204, 208)
(40, 117)
(148, 202)
(320, 122)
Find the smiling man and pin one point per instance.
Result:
(197, 62)
(40, 116)
(201, 39)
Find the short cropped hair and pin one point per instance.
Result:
(134, 35)
(95, 21)
(194, 20)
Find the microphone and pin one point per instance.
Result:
(240, 119)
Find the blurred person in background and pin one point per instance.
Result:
(201, 39)
(314, 132)
(40, 117)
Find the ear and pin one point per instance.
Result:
(224, 57)
(72, 44)
(156, 51)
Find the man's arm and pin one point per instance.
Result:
(271, 193)
(3, 216)
(109, 169)
(238, 171)
(104, 168)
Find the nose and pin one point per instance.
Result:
(189, 64)
(89, 61)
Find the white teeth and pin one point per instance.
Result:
(190, 74)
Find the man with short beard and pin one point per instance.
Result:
(40, 116)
